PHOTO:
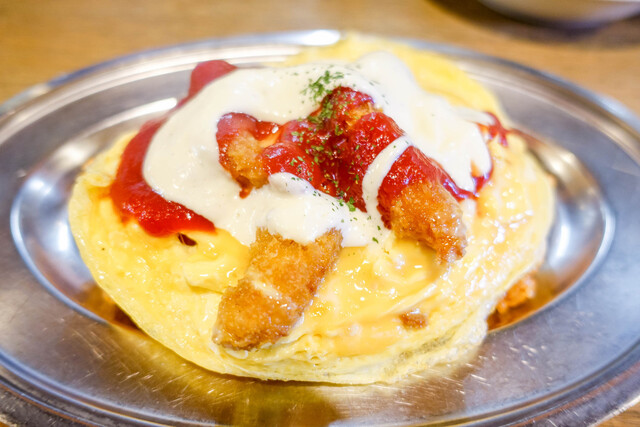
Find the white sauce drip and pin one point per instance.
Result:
(182, 160)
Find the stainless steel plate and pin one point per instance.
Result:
(66, 354)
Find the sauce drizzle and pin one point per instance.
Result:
(317, 149)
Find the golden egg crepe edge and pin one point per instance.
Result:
(351, 333)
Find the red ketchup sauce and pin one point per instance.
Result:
(332, 149)
(131, 194)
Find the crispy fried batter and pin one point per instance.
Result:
(428, 213)
(244, 162)
(280, 282)
(413, 319)
(522, 291)
(519, 300)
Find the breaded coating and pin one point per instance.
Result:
(413, 319)
(518, 300)
(518, 294)
(280, 282)
(241, 140)
(427, 212)
(244, 161)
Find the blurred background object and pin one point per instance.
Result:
(566, 13)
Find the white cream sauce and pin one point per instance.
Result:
(182, 161)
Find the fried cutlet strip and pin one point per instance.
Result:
(245, 163)
(518, 294)
(427, 212)
(280, 282)
(241, 140)
(510, 307)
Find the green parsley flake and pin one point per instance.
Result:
(317, 89)
(351, 204)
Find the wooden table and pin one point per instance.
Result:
(40, 40)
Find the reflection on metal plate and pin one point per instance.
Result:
(66, 348)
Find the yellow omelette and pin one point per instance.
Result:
(351, 332)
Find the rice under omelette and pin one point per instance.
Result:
(352, 330)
